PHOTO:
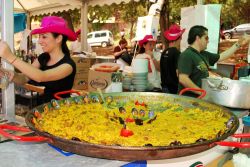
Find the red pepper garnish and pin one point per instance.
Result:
(129, 120)
(126, 132)
(37, 114)
(137, 103)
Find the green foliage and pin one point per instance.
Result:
(99, 13)
(234, 12)
(175, 9)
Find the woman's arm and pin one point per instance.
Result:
(157, 64)
(32, 71)
(38, 75)
(155, 61)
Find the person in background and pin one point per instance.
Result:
(147, 45)
(75, 46)
(169, 60)
(122, 34)
(222, 36)
(194, 62)
(53, 69)
(119, 51)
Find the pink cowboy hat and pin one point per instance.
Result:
(78, 32)
(146, 39)
(55, 24)
(174, 32)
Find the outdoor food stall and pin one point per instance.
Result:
(115, 129)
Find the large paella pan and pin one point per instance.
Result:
(132, 126)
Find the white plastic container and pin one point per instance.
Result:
(140, 66)
(116, 87)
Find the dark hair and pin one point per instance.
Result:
(123, 41)
(142, 49)
(64, 46)
(196, 31)
(65, 49)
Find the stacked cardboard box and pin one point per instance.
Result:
(82, 70)
(98, 79)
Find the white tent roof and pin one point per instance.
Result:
(39, 7)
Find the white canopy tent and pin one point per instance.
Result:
(39, 7)
(32, 8)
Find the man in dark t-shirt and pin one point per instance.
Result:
(194, 62)
(169, 59)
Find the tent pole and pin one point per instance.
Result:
(84, 25)
(7, 24)
(29, 44)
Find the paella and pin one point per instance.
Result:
(131, 121)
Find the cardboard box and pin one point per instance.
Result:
(98, 79)
(83, 62)
(81, 75)
(82, 71)
(81, 83)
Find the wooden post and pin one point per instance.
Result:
(84, 25)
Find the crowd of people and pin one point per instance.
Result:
(175, 70)
(55, 70)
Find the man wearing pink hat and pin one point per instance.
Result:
(169, 59)
(53, 69)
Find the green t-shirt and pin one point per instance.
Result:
(195, 64)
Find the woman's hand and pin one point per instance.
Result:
(7, 73)
(5, 51)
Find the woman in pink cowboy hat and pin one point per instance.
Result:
(53, 69)
(147, 45)
(169, 59)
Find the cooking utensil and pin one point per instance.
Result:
(203, 92)
(226, 92)
(137, 153)
(236, 144)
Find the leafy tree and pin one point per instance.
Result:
(236, 12)
(99, 13)
(131, 11)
